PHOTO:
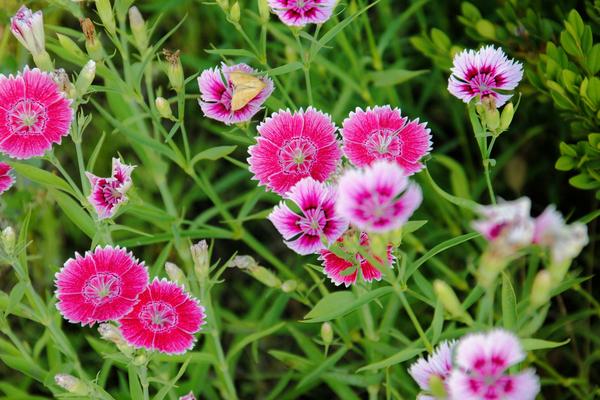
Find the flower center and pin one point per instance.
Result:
(297, 156)
(101, 288)
(27, 117)
(313, 222)
(158, 316)
(384, 144)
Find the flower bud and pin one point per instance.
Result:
(265, 276)
(507, 115)
(491, 116)
(8, 239)
(235, 13)
(449, 300)
(540, 290)
(224, 4)
(264, 11)
(174, 69)
(140, 359)
(164, 108)
(201, 260)
(436, 387)
(289, 286)
(92, 44)
(28, 28)
(107, 17)
(110, 333)
(326, 333)
(138, 28)
(71, 384)
(175, 273)
(491, 263)
(86, 77)
(242, 262)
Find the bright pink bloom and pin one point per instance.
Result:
(483, 73)
(383, 133)
(317, 222)
(28, 28)
(109, 193)
(482, 360)
(564, 241)
(165, 319)
(101, 286)
(216, 91)
(302, 12)
(438, 364)
(6, 177)
(293, 146)
(379, 198)
(334, 267)
(34, 114)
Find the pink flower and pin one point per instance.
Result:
(383, 133)
(6, 177)
(189, 396)
(101, 286)
(28, 28)
(379, 198)
(217, 90)
(564, 241)
(109, 193)
(335, 267)
(482, 360)
(486, 72)
(317, 221)
(507, 225)
(438, 364)
(34, 114)
(302, 12)
(294, 146)
(165, 319)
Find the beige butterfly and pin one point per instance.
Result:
(245, 88)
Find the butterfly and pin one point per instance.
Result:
(245, 88)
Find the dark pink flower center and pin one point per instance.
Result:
(313, 222)
(384, 144)
(297, 156)
(158, 316)
(483, 81)
(27, 117)
(101, 288)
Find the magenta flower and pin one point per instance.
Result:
(302, 12)
(438, 365)
(6, 177)
(564, 241)
(383, 133)
(335, 267)
(101, 286)
(379, 198)
(316, 223)
(294, 146)
(189, 396)
(482, 360)
(28, 28)
(486, 72)
(165, 319)
(34, 114)
(217, 89)
(109, 193)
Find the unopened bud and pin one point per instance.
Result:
(242, 262)
(164, 108)
(265, 276)
(289, 286)
(107, 17)
(174, 69)
(86, 77)
(449, 300)
(507, 115)
(235, 13)
(110, 333)
(540, 290)
(138, 28)
(8, 239)
(491, 264)
(201, 259)
(224, 4)
(264, 10)
(71, 384)
(140, 359)
(326, 333)
(174, 273)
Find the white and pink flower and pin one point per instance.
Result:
(437, 365)
(28, 28)
(302, 12)
(108, 194)
(565, 242)
(6, 177)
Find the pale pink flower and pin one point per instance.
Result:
(316, 223)
(189, 396)
(336, 268)
(294, 146)
(165, 319)
(302, 12)
(6, 177)
(486, 72)
(378, 198)
(383, 133)
(101, 286)
(481, 364)
(216, 89)
(507, 225)
(108, 194)
(564, 241)
(28, 28)
(34, 114)
(438, 364)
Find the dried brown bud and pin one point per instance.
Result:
(89, 31)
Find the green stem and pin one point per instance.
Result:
(414, 319)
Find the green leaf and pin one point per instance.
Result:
(531, 344)
(214, 153)
(509, 303)
(75, 213)
(584, 181)
(322, 367)
(237, 347)
(135, 388)
(565, 163)
(393, 77)
(231, 52)
(42, 177)
(338, 304)
(397, 358)
(285, 69)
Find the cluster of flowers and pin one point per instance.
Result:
(110, 284)
(475, 368)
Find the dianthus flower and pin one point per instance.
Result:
(34, 114)
(486, 72)
(383, 133)
(165, 319)
(302, 12)
(6, 177)
(100, 286)
(294, 146)
(379, 198)
(436, 366)
(564, 241)
(232, 94)
(316, 223)
(482, 361)
(109, 193)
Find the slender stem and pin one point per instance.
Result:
(488, 181)
(143, 375)
(81, 164)
(54, 161)
(414, 320)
